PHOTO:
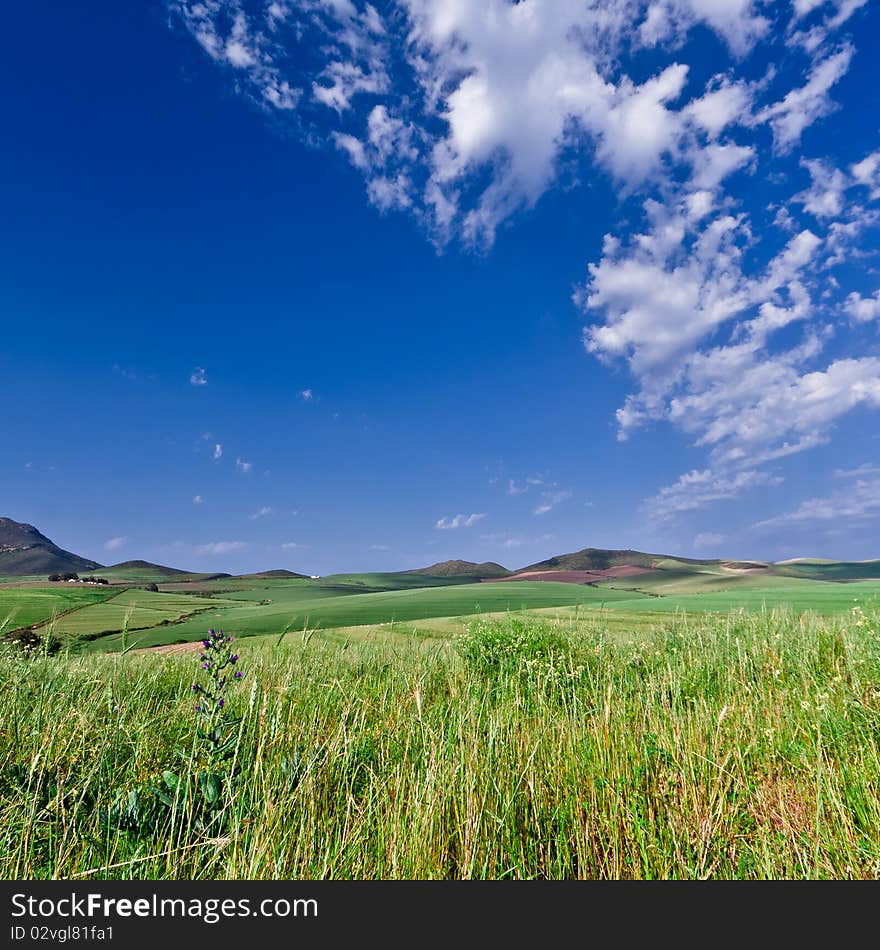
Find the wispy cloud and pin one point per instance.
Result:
(198, 500)
(263, 512)
(861, 471)
(701, 488)
(458, 521)
(549, 500)
(307, 395)
(216, 548)
(198, 377)
(114, 544)
(529, 482)
(218, 451)
(853, 503)
(242, 465)
(708, 540)
(292, 545)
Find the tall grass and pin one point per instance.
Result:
(743, 746)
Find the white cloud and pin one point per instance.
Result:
(114, 544)
(292, 545)
(800, 108)
(856, 502)
(218, 451)
(698, 489)
(263, 512)
(549, 500)
(216, 548)
(307, 395)
(242, 465)
(529, 482)
(496, 89)
(863, 309)
(458, 521)
(198, 500)
(825, 196)
(867, 173)
(734, 20)
(861, 471)
(198, 377)
(723, 330)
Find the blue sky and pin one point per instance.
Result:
(329, 286)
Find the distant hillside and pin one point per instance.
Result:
(272, 575)
(462, 569)
(821, 570)
(600, 559)
(23, 550)
(129, 567)
(141, 571)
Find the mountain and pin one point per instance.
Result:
(23, 550)
(462, 569)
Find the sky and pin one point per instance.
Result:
(333, 286)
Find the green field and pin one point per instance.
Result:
(293, 611)
(131, 609)
(819, 597)
(26, 606)
(382, 605)
(742, 746)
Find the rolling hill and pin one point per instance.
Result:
(462, 569)
(600, 559)
(23, 550)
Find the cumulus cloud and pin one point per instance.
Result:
(458, 521)
(114, 544)
(198, 377)
(198, 500)
(863, 309)
(218, 451)
(462, 114)
(307, 395)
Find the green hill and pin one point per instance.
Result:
(600, 559)
(144, 571)
(462, 569)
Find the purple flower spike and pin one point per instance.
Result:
(229, 639)
(233, 658)
(220, 702)
(206, 643)
(237, 675)
(196, 688)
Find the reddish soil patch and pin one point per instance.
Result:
(574, 577)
